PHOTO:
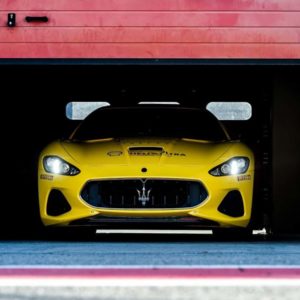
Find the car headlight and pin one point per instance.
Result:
(56, 165)
(234, 166)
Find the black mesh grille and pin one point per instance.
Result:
(142, 193)
(57, 204)
(232, 205)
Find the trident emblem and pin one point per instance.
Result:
(144, 194)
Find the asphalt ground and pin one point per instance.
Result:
(150, 267)
(150, 251)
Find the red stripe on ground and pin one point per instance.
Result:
(165, 273)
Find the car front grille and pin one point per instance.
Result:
(144, 193)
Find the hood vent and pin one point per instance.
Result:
(160, 149)
(145, 151)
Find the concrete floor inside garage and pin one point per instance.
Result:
(34, 97)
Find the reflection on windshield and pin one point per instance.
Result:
(150, 122)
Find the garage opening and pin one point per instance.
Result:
(269, 124)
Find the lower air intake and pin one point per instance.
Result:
(232, 205)
(57, 204)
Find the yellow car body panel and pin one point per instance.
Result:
(181, 159)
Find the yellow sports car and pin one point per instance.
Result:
(153, 165)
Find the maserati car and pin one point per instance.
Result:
(153, 165)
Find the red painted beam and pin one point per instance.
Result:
(150, 50)
(152, 29)
(142, 5)
(159, 19)
(149, 35)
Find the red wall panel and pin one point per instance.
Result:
(150, 5)
(152, 29)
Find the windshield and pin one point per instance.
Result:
(150, 122)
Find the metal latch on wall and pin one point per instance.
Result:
(11, 20)
(38, 19)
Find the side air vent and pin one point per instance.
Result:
(57, 204)
(232, 205)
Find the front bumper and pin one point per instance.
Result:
(217, 188)
(100, 221)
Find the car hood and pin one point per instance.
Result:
(150, 150)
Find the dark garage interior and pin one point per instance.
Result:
(35, 95)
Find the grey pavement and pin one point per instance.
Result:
(151, 293)
(153, 252)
